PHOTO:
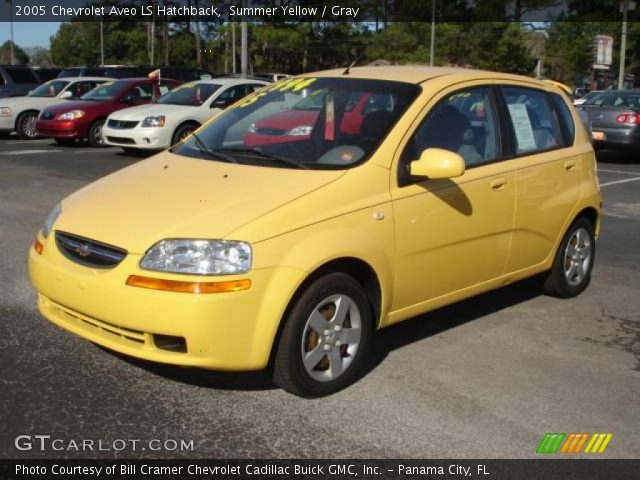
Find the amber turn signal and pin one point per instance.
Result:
(38, 246)
(188, 287)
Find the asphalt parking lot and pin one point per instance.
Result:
(486, 378)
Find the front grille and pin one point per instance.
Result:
(122, 140)
(123, 124)
(270, 131)
(47, 115)
(89, 252)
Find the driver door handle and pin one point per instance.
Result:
(498, 183)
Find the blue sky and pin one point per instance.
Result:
(29, 34)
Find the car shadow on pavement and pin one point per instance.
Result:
(616, 156)
(446, 318)
(385, 341)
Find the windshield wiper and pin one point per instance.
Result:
(211, 153)
(261, 154)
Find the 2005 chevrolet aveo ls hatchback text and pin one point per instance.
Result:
(224, 255)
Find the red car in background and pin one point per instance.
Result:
(295, 124)
(83, 119)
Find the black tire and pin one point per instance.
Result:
(298, 337)
(95, 133)
(182, 132)
(26, 126)
(65, 141)
(570, 273)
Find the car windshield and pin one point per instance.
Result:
(70, 72)
(348, 121)
(106, 91)
(49, 89)
(191, 94)
(615, 99)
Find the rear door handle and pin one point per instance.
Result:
(570, 164)
(498, 183)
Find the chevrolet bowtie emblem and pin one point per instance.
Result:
(83, 250)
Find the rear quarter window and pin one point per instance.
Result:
(565, 119)
(22, 75)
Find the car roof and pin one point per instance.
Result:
(418, 74)
(227, 80)
(75, 79)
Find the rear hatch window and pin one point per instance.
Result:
(22, 75)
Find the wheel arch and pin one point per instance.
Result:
(22, 113)
(183, 123)
(358, 269)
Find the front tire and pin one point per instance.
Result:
(572, 265)
(26, 126)
(326, 338)
(182, 132)
(95, 133)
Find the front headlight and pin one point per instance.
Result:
(155, 121)
(5, 112)
(51, 219)
(198, 257)
(72, 115)
(301, 130)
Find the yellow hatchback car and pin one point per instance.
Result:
(323, 207)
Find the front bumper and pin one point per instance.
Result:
(59, 128)
(7, 123)
(222, 331)
(154, 138)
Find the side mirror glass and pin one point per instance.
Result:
(67, 94)
(437, 163)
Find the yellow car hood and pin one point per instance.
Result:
(169, 196)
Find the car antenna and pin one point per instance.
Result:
(346, 72)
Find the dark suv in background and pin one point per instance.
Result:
(17, 80)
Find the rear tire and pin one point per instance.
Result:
(326, 338)
(570, 273)
(95, 133)
(26, 126)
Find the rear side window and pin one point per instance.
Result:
(22, 75)
(565, 119)
(533, 123)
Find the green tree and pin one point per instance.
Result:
(19, 55)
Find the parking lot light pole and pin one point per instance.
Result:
(623, 43)
(10, 2)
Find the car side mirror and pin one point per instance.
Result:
(437, 163)
(220, 103)
(129, 100)
(67, 94)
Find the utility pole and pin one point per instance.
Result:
(101, 44)
(244, 57)
(13, 60)
(433, 32)
(625, 7)
(233, 45)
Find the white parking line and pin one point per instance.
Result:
(29, 152)
(618, 171)
(96, 150)
(24, 142)
(636, 179)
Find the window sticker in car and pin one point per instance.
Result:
(522, 126)
(287, 85)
